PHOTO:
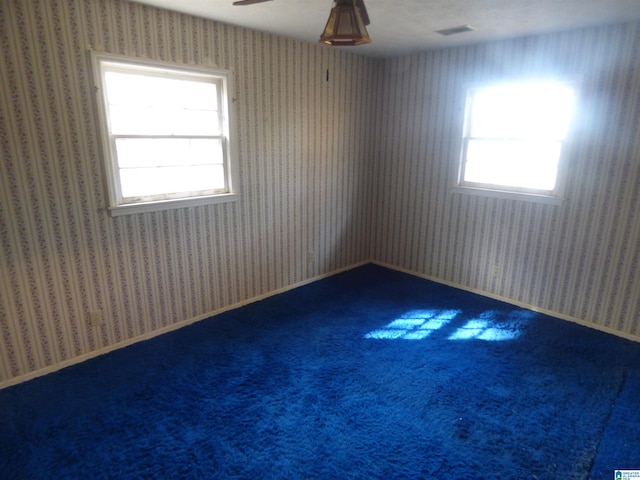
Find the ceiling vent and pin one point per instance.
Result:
(455, 30)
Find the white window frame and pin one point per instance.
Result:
(103, 62)
(554, 197)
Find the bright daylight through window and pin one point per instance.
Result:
(514, 136)
(166, 134)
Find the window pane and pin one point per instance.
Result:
(165, 132)
(146, 105)
(152, 152)
(513, 163)
(141, 89)
(522, 111)
(144, 182)
(149, 120)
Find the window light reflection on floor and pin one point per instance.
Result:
(491, 325)
(415, 325)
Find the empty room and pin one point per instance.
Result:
(311, 239)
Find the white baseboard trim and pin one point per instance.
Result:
(527, 306)
(169, 328)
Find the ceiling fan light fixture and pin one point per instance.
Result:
(346, 26)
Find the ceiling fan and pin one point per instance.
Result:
(249, 2)
(346, 24)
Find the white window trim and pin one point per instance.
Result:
(509, 195)
(555, 197)
(115, 207)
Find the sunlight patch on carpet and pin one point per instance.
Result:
(491, 325)
(414, 325)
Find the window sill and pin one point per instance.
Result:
(172, 204)
(526, 197)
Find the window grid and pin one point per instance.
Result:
(515, 146)
(166, 133)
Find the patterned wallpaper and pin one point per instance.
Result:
(579, 261)
(305, 181)
(333, 172)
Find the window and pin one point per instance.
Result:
(513, 139)
(166, 132)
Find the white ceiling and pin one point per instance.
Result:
(405, 26)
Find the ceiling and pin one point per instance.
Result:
(405, 26)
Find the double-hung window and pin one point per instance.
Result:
(166, 134)
(513, 141)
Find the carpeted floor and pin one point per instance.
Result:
(368, 374)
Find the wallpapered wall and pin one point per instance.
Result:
(580, 260)
(305, 179)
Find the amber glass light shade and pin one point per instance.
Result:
(345, 26)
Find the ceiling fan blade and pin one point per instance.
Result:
(248, 2)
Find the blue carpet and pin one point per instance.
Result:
(368, 374)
